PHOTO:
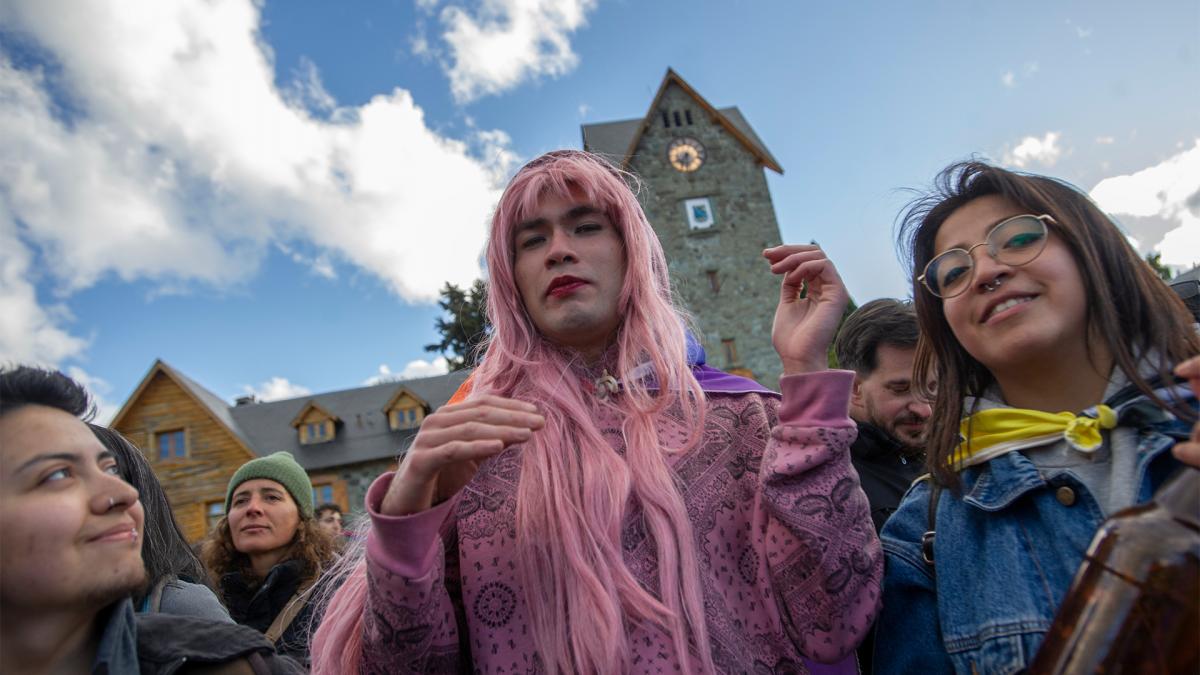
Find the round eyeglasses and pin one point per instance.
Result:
(1015, 241)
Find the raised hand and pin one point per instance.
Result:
(453, 440)
(804, 326)
(1189, 451)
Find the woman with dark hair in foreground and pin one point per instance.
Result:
(1031, 302)
(174, 575)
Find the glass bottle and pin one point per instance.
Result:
(1134, 605)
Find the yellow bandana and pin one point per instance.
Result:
(991, 433)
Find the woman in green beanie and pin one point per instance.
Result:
(267, 554)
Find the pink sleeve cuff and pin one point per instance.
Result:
(404, 545)
(820, 399)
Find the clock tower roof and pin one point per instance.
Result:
(619, 139)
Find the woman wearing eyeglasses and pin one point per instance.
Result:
(1031, 303)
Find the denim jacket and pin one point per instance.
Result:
(1006, 550)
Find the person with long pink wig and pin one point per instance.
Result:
(608, 502)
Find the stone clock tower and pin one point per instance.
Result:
(705, 192)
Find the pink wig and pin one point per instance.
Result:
(574, 488)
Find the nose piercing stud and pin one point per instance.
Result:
(994, 284)
(111, 503)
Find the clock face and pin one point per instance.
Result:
(685, 154)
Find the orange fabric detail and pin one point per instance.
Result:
(463, 391)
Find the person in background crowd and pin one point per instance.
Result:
(266, 555)
(174, 575)
(71, 536)
(1031, 302)
(329, 517)
(614, 505)
(878, 342)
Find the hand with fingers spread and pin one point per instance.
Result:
(804, 326)
(454, 440)
(1189, 451)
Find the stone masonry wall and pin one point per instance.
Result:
(358, 478)
(745, 224)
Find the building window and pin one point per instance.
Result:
(714, 282)
(406, 418)
(699, 213)
(213, 513)
(171, 444)
(666, 120)
(678, 121)
(315, 431)
(731, 355)
(323, 494)
(688, 114)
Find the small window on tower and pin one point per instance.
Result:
(678, 121)
(700, 214)
(666, 120)
(714, 282)
(688, 114)
(731, 356)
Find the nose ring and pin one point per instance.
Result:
(111, 503)
(994, 284)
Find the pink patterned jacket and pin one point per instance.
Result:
(789, 559)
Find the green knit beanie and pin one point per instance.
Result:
(282, 468)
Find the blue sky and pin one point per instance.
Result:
(268, 196)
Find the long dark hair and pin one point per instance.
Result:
(165, 551)
(1129, 309)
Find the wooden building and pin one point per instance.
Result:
(344, 439)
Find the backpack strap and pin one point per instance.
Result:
(935, 493)
(288, 614)
(153, 602)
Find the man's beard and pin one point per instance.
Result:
(891, 427)
(910, 443)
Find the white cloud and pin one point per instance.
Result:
(319, 264)
(494, 147)
(1009, 77)
(1161, 198)
(584, 109)
(100, 389)
(188, 160)
(1033, 150)
(506, 42)
(158, 147)
(414, 369)
(1105, 140)
(307, 90)
(276, 389)
(30, 333)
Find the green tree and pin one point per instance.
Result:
(466, 326)
(1155, 260)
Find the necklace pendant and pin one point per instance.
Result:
(605, 386)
